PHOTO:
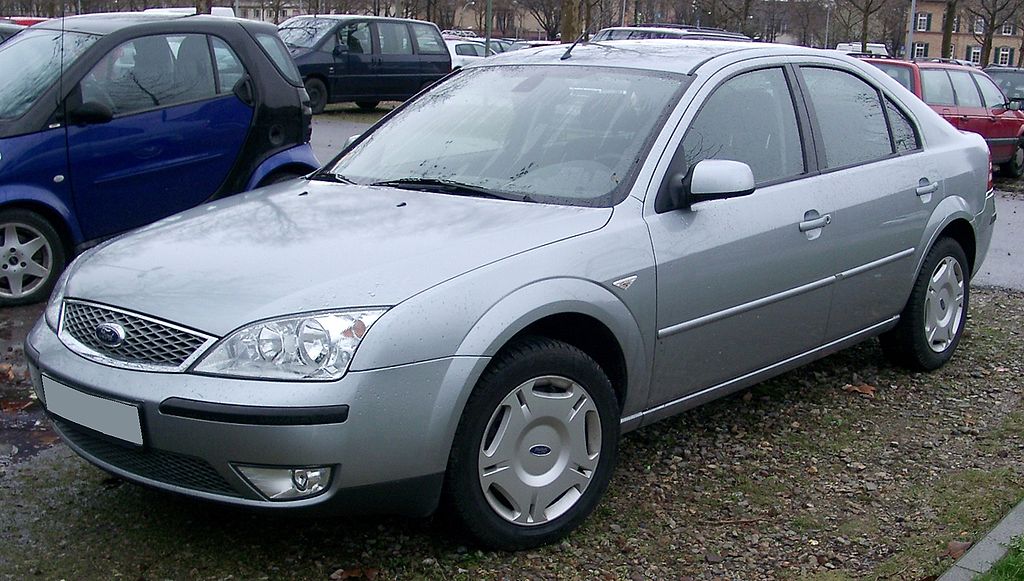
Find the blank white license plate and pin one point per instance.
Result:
(113, 418)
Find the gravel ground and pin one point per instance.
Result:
(802, 477)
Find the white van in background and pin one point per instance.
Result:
(873, 48)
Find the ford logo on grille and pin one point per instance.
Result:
(540, 450)
(109, 334)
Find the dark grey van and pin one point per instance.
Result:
(364, 59)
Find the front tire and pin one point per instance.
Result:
(317, 91)
(933, 321)
(31, 257)
(535, 447)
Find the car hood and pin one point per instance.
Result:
(307, 246)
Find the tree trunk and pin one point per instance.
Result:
(204, 6)
(947, 28)
(864, 30)
(570, 27)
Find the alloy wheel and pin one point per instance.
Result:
(26, 260)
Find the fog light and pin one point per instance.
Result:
(287, 483)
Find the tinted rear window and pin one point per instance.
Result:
(1011, 82)
(272, 45)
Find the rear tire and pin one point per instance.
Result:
(367, 105)
(933, 321)
(535, 447)
(1015, 167)
(31, 257)
(317, 91)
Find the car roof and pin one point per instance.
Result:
(921, 64)
(680, 31)
(669, 55)
(359, 16)
(106, 23)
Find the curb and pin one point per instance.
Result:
(988, 550)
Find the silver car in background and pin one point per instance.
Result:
(476, 298)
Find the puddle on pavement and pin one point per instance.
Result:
(24, 429)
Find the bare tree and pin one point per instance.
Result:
(548, 14)
(866, 9)
(992, 15)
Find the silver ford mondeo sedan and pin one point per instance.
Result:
(480, 294)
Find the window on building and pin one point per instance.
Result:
(956, 24)
(920, 50)
(1008, 29)
(974, 54)
(979, 26)
(924, 21)
(1004, 55)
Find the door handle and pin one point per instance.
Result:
(927, 188)
(816, 223)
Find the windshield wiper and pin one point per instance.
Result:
(327, 176)
(448, 187)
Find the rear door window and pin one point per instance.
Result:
(904, 137)
(394, 38)
(966, 92)
(356, 38)
(850, 117)
(428, 39)
(936, 88)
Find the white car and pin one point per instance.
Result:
(465, 52)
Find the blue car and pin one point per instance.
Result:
(110, 122)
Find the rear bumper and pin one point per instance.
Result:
(983, 223)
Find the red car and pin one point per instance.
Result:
(970, 100)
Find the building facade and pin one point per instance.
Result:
(967, 37)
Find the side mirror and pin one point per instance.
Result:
(709, 179)
(340, 50)
(1014, 104)
(90, 113)
(353, 139)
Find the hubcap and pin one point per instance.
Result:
(26, 260)
(540, 450)
(944, 304)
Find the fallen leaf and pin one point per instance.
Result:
(956, 549)
(863, 389)
(748, 396)
(13, 406)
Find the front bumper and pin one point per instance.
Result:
(388, 450)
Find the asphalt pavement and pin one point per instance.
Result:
(331, 132)
(1004, 263)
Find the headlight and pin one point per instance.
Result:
(316, 346)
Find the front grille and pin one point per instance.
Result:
(147, 342)
(167, 467)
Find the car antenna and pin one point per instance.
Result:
(568, 51)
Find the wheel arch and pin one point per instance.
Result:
(299, 158)
(54, 211)
(952, 217)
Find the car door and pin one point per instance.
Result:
(742, 283)
(882, 200)
(174, 136)
(1003, 124)
(355, 65)
(398, 66)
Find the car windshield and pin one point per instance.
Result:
(31, 62)
(1011, 82)
(556, 134)
(304, 32)
(898, 72)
